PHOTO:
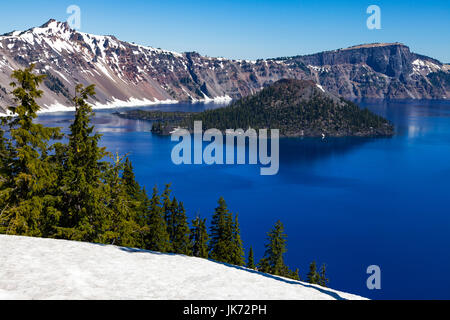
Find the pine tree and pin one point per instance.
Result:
(138, 200)
(181, 233)
(119, 226)
(273, 261)
(169, 208)
(238, 256)
(295, 275)
(221, 243)
(132, 187)
(28, 189)
(4, 155)
(157, 237)
(142, 218)
(5, 172)
(251, 259)
(313, 277)
(323, 280)
(199, 238)
(82, 188)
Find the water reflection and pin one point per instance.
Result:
(413, 119)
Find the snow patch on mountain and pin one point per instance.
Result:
(112, 104)
(420, 65)
(32, 268)
(320, 87)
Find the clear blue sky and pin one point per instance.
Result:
(248, 29)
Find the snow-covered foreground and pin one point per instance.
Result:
(32, 268)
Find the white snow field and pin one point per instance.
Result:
(42, 269)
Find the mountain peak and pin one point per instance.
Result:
(54, 25)
(124, 70)
(45, 25)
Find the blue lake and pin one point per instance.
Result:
(346, 202)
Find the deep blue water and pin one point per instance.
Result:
(348, 202)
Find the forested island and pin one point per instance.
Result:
(298, 108)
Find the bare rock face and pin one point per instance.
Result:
(380, 71)
(130, 74)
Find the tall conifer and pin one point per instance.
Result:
(199, 238)
(251, 259)
(119, 226)
(137, 200)
(273, 261)
(221, 242)
(181, 233)
(83, 197)
(168, 209)
(28, 188)
(313, 276)
(132, 187)
(157, 238)
(323, 280)
(238, 256)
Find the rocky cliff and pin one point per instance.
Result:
(130, 74)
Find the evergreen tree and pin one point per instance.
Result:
(142, 218)
(4, 154)
(28, 188)
(138, 200)
(264, 266)
(119, 226)
(323, 280)
(313, 277)
(295, 275)
(238, 257)
(181, 242)
(169, 208)
(221, 242)
(5, 172)
(157, 237)
(199, 238)
(273, 261)
(132, 187)
(83, 198)
(251, 259)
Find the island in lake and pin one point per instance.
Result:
(298, 108)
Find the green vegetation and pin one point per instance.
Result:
(295, 107)
(199, 238)
(317, 277)
(225, 243)
(273, 261)
(72, 191)
(251, 259)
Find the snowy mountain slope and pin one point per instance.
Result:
(128, 74)
(32, 268)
